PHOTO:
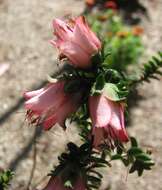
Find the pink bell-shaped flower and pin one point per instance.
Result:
(107, 119)
(76, 41)
(50, 105)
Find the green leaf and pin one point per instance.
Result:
(92, 186)
(94, 179)
(100, 81)
(116, 157)
(5, 178)
(96, 59)
(134, 151)
(112, 76)
(99, 160)
(73, 149)
(112, 92)
(125, 162)
(140, 171)
(120, 149)
(151, 69)
(143, 157)
(149, 163)
(133, 168)
(98, 165)
(97, 173)
(133, 142)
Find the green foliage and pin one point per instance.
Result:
(81, 117)
(151, 69)
(99, 79)
(83, 162)
(80, 162)
(5, 178)
(112, 92)
(135, 157)
(125, 51)
(109, 82)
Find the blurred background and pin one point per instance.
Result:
(27, 57)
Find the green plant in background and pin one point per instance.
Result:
(123, 42)
(5, 178)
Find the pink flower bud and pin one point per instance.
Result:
(76, 41)
(107, 119)
(50, 105)
(55, 183)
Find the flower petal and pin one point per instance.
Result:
(28, 95)
(84, 25)
(62, 30)
(100, 111)
(76, 54)
(84, 39)
(51, 96)
(117, 122)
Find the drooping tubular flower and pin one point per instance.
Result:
(50, 105)
(75, 41)
(55, 183)
(107, 120)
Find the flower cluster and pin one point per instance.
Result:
(87, 82)
(51, 104)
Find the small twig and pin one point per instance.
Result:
(34, 164)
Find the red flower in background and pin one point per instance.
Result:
(107, 120)
(76, 41)
(55, 183)
(50, 105)
(111, 5)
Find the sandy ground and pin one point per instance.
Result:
(25, 31)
